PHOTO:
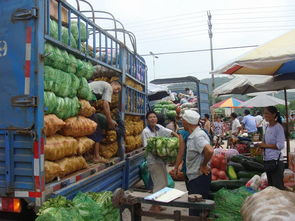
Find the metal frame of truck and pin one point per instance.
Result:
(24, 30)
(202, 90)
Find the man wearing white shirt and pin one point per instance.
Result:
(236, 126)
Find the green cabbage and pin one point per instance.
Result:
(164, 147)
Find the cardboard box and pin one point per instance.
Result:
(54, 11)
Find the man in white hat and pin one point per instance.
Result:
(198, 155)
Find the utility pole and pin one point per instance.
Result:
(154, 63)
(211, 49)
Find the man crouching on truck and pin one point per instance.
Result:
(156, 166)
(103, 91)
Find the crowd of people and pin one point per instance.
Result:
(197, 137)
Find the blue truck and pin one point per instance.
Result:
(179, 85)
(24, 30)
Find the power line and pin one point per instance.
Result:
(176, 34)
(260, 30)
(168, 19)
(232, 29)
(169, 27)
(174, 37)
(246, 22)
(169, 30)
(263, 7)
(255, 27)
(251, 18)
(253, 12)
(200, 50)
(193, 14)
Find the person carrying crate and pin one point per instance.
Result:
(103, 91)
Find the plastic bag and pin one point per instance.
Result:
(263, 181)
(292, 161)
(48, 52)
(87, 207)
(71, 64)
(57, 147)
(85, 69)
(75, 31)
(65, 35)
(52, 124)
(78, 127)
(52, 171)
(61, 83)
(269, 204)
(84, 144)
(59, 61)
(108, 150)
(86, 109)
(146, 177)
(53, 29)
(70, 165)
(66, 107)
(50, 102)
(254, 182)
(84, 91)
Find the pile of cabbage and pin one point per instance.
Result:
(84, 207)
(163, 147)
(166, 108)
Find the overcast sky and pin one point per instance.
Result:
(180, 25)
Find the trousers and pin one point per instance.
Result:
(199, 185)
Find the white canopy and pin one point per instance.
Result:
(252, 84)
(154, 88)
(263, 100)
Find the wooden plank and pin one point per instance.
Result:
(54, 11)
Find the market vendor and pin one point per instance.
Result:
(103, 91)
(273, 144)
(198, 154)
(156, 165)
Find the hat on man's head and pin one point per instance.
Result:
(192, 117)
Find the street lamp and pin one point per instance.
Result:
(154, 63)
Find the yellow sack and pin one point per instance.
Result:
(52, 124)
(52, 171)
(78, 127)
(138, 141)
(70, 165)
(108, 150)
(111, 136)
(86, 109)
(84, 144)
(130, 143)
(57, 147)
